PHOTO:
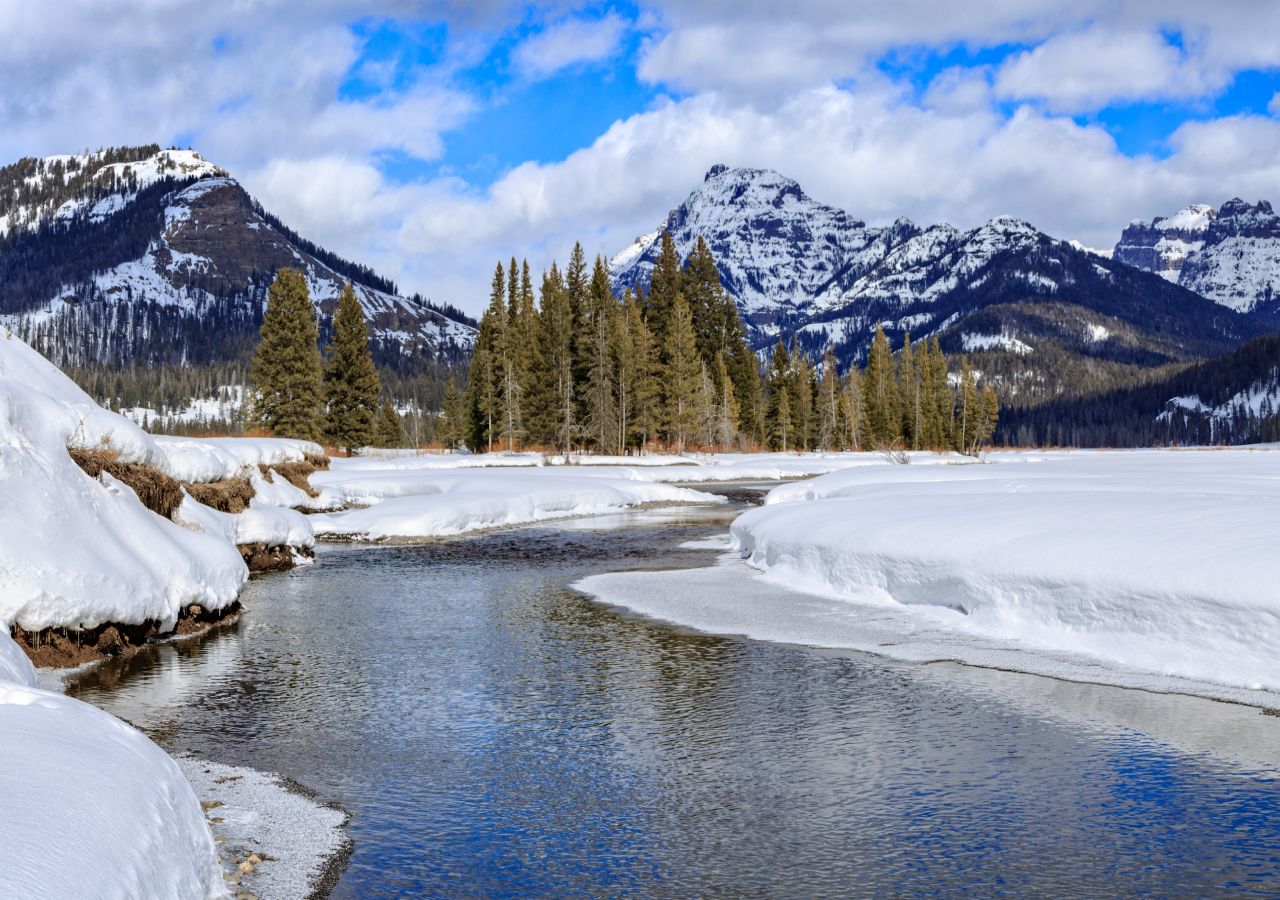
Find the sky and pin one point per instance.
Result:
(431, 139)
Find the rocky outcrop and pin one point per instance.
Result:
(1163, 244)
(1230, 255)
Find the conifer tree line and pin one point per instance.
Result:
(298, 393)
(578, 367)
(902, 401)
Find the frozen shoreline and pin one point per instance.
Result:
(732, 599)
(301, 843)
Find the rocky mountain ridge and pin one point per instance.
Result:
(1230, 255)
(1039, 311)
(146, 256)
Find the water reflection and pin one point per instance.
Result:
(494, 733)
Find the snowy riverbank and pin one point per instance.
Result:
(1146, 568)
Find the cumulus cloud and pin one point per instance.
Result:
(258, 88)
(569, 43)
(1084, 70)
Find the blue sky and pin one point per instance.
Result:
(430, 137)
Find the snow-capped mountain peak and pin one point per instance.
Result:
(1230, 255)
(139, 254)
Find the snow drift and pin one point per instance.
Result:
(437, 503)
(1156, 561)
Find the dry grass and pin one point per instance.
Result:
(229, 496)
(157, 491)
(296, 473)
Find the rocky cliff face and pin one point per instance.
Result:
(1230, 255)
(1163, 244)
(140, 255)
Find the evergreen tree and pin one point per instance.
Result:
(665, 284)
(682, 395)
(778, 410)
(884, 421)
(726, 406)
(390, 431)
(285, 372)
(452, 417)
(640, 374)
(829, 404)
(486, 388)
(942, 421)
(854, 411)
(909, 394)
(967, 412)
(597, 348)
(351, 383)
(557, 390)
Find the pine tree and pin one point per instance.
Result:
(829, 403)
(452, 417)
(600, 420)
(778, 410)
(486, 386)
(944, 406)
(285, 372)
(641, 376)
(854, 412)
(884, 421)
(665, 284)
(909, 394)
(682, 396)
(351, 383)
(560, 423)
(967, 413)
(390, 431)
(801, 400)
(726, 406)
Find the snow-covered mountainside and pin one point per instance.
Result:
(1230, 255)
(799, 267)
(144, 255)
(1163, 244)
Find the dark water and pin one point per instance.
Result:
(494, 734)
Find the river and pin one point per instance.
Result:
(494, 733)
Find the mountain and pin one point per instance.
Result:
(1163, 244)
(144, 256)
(1230, 255)
(1233, 399)
(1037, 313)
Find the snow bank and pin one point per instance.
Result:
(1155, 561)
(216, 459)
(91, 807)
(440, 503)
(364, 480)
(75, 551)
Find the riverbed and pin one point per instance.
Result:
(493, 732)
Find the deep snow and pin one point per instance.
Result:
(1149, 568)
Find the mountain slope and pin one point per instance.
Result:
(1233, 399)
(149, 256)
(1230, 255)
(1040, 311)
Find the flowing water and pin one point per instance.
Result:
(493, 733)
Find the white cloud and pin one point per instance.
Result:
(1274, 106)
(1085, 70)
(569, 43)
(758, 89)
(861, 149)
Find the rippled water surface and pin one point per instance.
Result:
(493, 733)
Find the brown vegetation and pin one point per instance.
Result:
(157, 491)
(296, 473)
(65, 647)
(231, 495)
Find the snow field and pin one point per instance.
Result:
(441, 503)
(1160, 562)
